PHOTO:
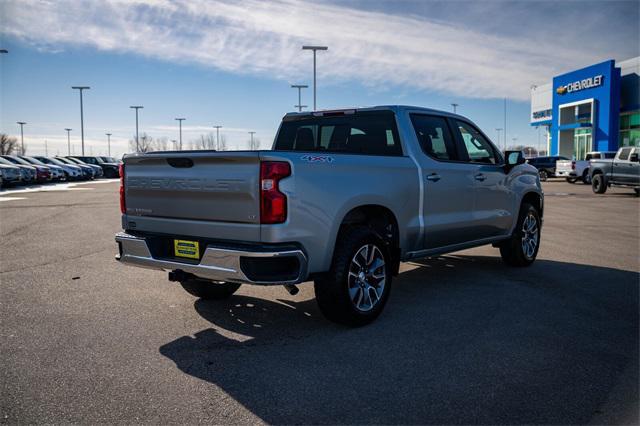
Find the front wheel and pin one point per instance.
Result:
(209, 290)
(598, 184)
(522, 247)
(357, 287)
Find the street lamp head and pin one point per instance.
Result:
(180, 119)
(80, 87)
(136, 106)
(68, 130)
(299, 86)
(22, 123)
(315, 48)
(108, 134)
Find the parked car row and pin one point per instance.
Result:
(26, 170)
(563, 167)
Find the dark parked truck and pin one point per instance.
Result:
(623, 170)
(341, 199)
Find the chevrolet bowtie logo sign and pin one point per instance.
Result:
(576, 86)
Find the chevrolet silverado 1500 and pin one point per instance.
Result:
(341, 199)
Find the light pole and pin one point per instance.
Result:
(455, 107)
(108, 144)
(68, 141)
(498, 130)
(137, 107)
(21, 123)
(314, 49)
(217, 137)
(180, 120)
(514, 141)
(81, 88)
(252, 133)
(299, 87)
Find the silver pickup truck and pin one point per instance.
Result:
(341, 199)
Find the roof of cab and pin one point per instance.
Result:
(394, 108)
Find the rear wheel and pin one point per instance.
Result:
(208, 289)
(522, 248)
(598, 184)
(357, 287)
(572, 180)
(543, 175)
(586, 179)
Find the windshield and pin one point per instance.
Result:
(16, 160)
(33, 161)
(52, 161)
(6, 162)
(369, 132)
(109, 159)
(63, 160)
(73, 161)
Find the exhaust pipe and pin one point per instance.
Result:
(292, 289)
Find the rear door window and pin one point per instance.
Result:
(434, 136)
(367, 132)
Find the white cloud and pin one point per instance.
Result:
(264, 38)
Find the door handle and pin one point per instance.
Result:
(433, 177)
(480, 177)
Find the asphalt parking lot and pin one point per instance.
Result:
(464, 339)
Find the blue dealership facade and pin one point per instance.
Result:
(596, 108)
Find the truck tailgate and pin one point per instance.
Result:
(564, 166)
(194, 186)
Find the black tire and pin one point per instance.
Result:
(572, 180)
(209, 290)
(512, 250)
(637, 190)
(543, 175)
(586, 179)
(598, 184)
(332, 289)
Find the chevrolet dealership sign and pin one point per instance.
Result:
(576, 86)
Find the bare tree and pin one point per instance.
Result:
(222, 146)
(254, 144)
(162, 144)
(145, 143)
(7, 144)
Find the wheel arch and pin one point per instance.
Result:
(381, 220)
(535, 199)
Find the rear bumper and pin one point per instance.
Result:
(220, 264)
(564, 173)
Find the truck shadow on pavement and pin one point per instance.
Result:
(462, 340)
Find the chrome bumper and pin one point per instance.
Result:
(217, 264)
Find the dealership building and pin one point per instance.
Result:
(596, 108)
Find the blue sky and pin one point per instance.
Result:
(231, 63)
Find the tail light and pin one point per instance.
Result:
(273, 203)
(573, 165)
(123, 206)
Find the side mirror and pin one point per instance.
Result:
(634, 158)
(513, 158)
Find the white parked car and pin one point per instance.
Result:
(573, 170)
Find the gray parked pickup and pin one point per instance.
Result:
(342, 198)
(623, 170)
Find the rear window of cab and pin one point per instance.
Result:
(367, 133)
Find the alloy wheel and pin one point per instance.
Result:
(530, 235)
(367, 274)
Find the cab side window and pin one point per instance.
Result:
(434, 136)
(477, 148)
